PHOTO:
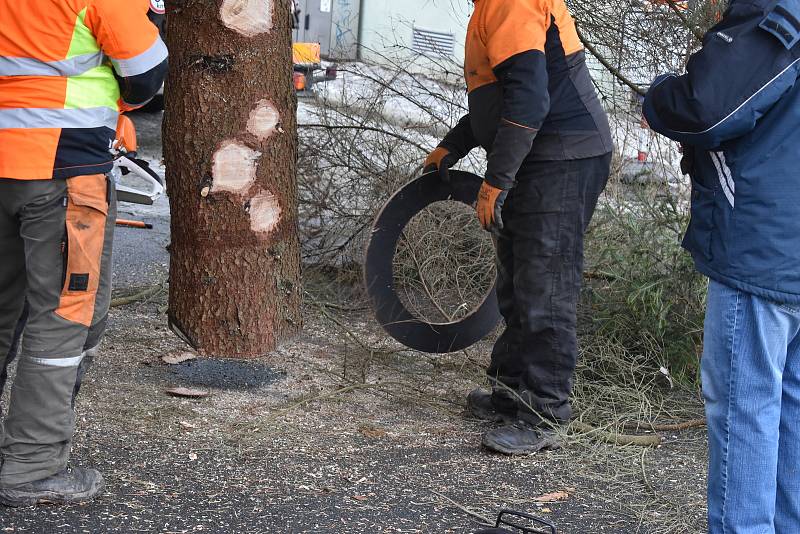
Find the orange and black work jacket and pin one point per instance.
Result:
(67, 67)
(530, 93)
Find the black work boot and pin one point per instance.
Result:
(521, 438)
(480, 406)
(72, 485)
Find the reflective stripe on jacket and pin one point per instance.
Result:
(59, 95)
(737, 111)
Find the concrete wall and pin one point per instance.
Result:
(344, 29)
(387, 25)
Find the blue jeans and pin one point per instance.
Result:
(751, 384)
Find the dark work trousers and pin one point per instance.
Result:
(539, 272)
(55, 289)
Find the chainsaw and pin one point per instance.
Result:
(135, 181)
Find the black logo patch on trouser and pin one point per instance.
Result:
(79, 282)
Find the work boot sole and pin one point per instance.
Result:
(18, 499)
(549, 443)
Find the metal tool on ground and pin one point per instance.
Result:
(390, 311)
(519, 522)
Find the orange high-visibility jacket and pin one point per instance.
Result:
(530, 93)
(59, 94)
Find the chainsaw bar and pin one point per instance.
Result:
(389, 310)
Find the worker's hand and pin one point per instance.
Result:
(440, 160)
(490, 207)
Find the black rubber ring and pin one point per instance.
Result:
(389, 310)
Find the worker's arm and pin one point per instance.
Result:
(515, 38)
(134, 46)
(456, 144)
(748, 61)
(460, 140)
(138, 90)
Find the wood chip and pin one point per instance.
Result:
(188, 392)
(178, 356)
(372, 431)
(552, 497)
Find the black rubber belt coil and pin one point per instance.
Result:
(389, 310)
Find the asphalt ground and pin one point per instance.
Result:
(321, 437)
(291, 446)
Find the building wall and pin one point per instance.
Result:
(387, 25)
(344, 29)
(386, 30)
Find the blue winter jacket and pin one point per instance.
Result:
(737, 112)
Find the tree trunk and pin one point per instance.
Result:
(230, 148)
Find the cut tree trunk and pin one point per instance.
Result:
(230, 150)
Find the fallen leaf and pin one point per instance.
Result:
(178, 356)
(188, 392)
(552, 497)
(360, 497)
(187, 425)
(372, 431)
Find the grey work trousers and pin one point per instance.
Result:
(539, 273)
(55, 289)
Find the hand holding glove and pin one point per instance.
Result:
(440, 160)
(490, 207)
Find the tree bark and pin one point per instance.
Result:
(230, 150)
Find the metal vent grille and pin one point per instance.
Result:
(432, 43)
